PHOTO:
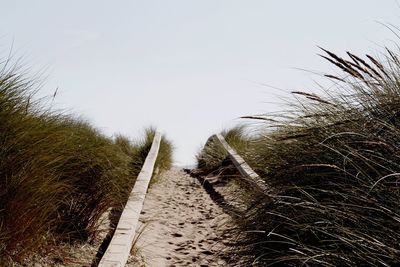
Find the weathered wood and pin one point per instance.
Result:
(245, 170)
(120, 246)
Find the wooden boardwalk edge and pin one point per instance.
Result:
(120, 246)
(248, 174)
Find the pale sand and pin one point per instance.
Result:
(180, 224)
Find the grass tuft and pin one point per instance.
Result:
(213, 155)
(141, 147)
(58, 174)
(332, 163)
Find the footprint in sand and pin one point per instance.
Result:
(207, 252)
(176, 235)
(183, 235)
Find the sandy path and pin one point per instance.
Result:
(180, 224)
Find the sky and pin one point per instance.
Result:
(190, 68)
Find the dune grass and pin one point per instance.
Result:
(332, 162)
(58, 174)
(213, 156)
(138, 150)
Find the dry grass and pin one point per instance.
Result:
(332, 162)
(213, 156)
(138, 150)
(58, 174)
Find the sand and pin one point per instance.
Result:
(180, 224)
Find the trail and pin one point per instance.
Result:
(180, 224)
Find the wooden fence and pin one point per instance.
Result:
(120, 246)
(245, 170)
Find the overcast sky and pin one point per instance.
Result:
(189, 67)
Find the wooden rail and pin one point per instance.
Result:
(245, 170)
(120, 246)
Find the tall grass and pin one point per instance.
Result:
(332, 163)
(138, 150)
(213, 156)
(58, 174)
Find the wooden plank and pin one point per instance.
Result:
(245, 170)
(120, 246)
